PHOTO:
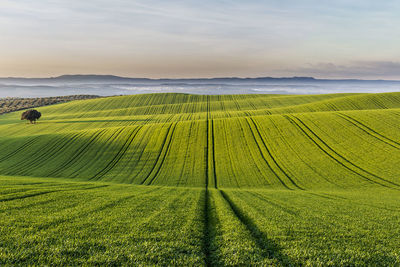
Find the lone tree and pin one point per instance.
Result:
(31, 115)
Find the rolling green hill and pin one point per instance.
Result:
(235, 179)
(292, 142)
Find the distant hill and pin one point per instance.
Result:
(112, 78)
(261, 141)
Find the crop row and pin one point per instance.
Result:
(134, 110)
(57, 222)
(290, 151)
(293, 151)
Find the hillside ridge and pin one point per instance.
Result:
(244, 141)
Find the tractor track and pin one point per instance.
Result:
(22, 147)
(369, 131)
(271, 156)
(162, 155)
(118, 156)
(335, 155)
(77, 153)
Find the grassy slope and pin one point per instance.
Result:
(340, 154)
(59, 222)
(174, 139)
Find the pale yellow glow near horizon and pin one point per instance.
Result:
(172, 39)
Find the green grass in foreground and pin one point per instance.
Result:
(68, 223)
(235, 180)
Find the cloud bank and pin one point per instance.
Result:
(155, 38)
(365, 69)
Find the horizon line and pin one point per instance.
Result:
(200, 78)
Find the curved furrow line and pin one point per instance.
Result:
(31, 204)
(336, 198)
(167, 150)
(165, 207)
(28, 195)
(47, 192)
(335, 155)
(378, 103)
(262, 178)
(7, 191)
(235, 102)
(165, 106)
(139, 157)
(118, 156)
(273, 203)
(100, 208)
(77, 154)
(163, 147)
(39, 163)
(369, 131)
(262, 155)
(300, 155)
(108, 140)
(39, 156)
(345, 159)
(295, 211)
(394, 112)
(22, 147)
(272, 157)
(146, 160)
(327, 196)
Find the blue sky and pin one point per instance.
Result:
(154, 38)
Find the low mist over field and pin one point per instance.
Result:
(106, 85)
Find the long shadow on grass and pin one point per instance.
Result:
(49, 192)
(108, 205)
(207, 229)
(269, 247)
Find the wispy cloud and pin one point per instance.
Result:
(357, 69)
(251, 37)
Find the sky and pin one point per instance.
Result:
(208, 38)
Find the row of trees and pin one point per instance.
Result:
(14, 104)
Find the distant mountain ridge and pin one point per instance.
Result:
(114, 78)
(107, 85)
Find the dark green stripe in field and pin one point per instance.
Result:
(56, 222)
(271, 141)
(193, 180)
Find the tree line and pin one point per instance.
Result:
(11, 104)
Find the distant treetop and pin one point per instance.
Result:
(31, 115)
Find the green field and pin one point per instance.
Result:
(178, 179)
